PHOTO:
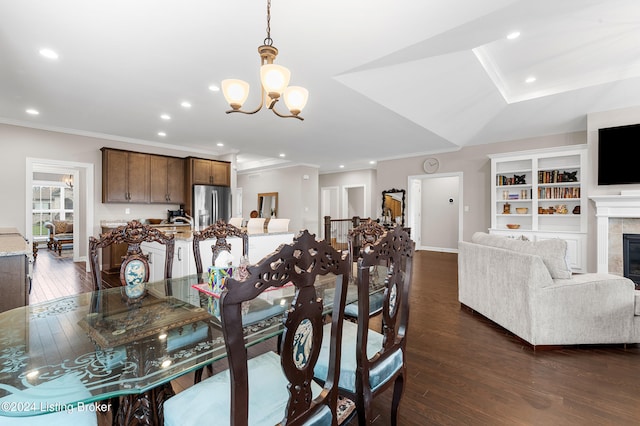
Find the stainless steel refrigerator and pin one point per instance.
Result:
(210, 203)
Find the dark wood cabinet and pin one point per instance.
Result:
(125, 176)
(209, 172)
(134, 177)
(112, 256)
(167, 179)
(14, 270)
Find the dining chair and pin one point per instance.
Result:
(47, 395)
(220, 231)
(132, 234)
(255, 225)
(135, 264)
(278, 225)
(372, 362)
(274, 389)
(360, 240)
(236, 221)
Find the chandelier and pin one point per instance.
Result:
(274, 81)
(69, 181)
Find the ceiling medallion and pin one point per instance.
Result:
(274, 83)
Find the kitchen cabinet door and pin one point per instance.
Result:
(125, 176)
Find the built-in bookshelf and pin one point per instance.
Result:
(540, 194)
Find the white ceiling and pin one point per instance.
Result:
(386, 78)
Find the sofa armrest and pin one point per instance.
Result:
(591, 308)
(51, 229)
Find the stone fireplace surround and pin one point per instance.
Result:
(615, 215)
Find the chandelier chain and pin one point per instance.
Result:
(268, 41)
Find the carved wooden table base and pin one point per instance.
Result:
(146, 408)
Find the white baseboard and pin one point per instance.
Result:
(440, 249)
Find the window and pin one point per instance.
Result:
(50, 201)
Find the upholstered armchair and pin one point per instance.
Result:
(58, 227)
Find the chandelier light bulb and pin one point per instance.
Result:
(235, 92)
(275, 78)
(295, 97)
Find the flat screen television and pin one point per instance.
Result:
(618, 162)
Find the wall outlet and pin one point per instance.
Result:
(127, 211)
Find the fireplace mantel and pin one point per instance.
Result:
(626, 205)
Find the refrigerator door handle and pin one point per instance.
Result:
(214, 196)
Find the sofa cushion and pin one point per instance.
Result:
(552, 251)
(60, 226)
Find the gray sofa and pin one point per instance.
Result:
(527, 288)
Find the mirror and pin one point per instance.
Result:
(268, 204)
(393, 206)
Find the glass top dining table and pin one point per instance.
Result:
(89, 347)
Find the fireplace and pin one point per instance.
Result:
(631, 257)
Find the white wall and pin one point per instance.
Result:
(595, 121)
(342, 180)
(297, 188)
(474, 163)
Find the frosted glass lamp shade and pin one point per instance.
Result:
(235, 92)
(275, 78)
(295, 97)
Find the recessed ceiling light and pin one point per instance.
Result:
(32, 111)
(514, 35)
(165, 117)
(341, 166)
(163, 134)
(282, 155)
(214, 88)
(530, 79)
(185, 104)
(372, 162)
(220, 144)
(48, 53)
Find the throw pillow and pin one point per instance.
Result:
(60, 226)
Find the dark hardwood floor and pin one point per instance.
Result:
(463, 369)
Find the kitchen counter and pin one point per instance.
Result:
(12, 243)
(15, 253)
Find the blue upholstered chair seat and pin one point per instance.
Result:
(208, 402)
(348, 364)
(47, 396)
(375, 305)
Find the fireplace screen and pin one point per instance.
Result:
(631, 256)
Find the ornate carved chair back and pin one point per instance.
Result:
(300, 263)
(363, 236)
(135, 264)
(220, 231)
(395, 251)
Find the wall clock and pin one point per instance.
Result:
(431, 165)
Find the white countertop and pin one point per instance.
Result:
(12, 243)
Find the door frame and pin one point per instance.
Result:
(84, 186)
(414, 201)
(345, 200)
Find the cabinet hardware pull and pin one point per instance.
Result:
(179, 254)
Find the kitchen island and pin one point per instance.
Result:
(260, 245)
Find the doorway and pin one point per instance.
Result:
(354, 201)
(436, 211)
(83, 199)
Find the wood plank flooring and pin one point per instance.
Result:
(463, 369)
